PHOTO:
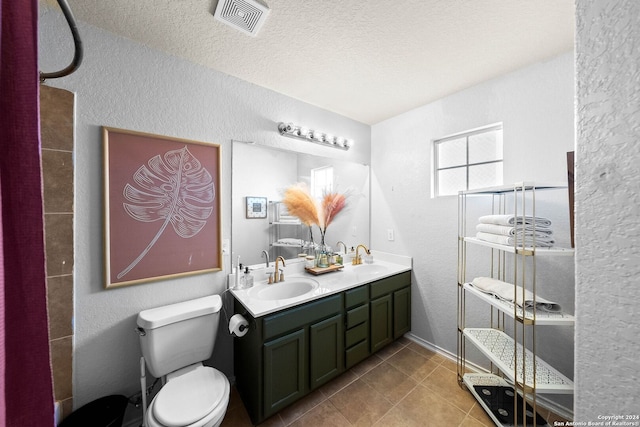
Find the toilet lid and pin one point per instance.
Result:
(190, 397)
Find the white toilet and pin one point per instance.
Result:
(175, 340)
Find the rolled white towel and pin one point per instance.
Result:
(515, 220)
(505, 292)
(511, 240)
(506, 230)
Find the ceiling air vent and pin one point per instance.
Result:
(244, 15)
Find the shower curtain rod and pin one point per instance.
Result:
(77, 57)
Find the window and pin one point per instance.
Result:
(468, 160)
(321, 181)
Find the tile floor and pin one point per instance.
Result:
(402, 385)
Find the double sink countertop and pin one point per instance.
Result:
(301, 287)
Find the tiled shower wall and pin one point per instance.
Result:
(56, 122)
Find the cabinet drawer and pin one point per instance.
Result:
(390, 284)
(357, 353)
(357, 316)
(356, 296)
(288, 320)
(357, 334)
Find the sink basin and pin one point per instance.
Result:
(370, 269)
(291, 288)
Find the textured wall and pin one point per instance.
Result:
(535, 105)
(607, 208)
(126, 85)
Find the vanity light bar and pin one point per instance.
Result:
(317, 137)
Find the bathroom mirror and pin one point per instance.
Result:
(260, 172)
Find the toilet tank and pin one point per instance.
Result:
(178, 335)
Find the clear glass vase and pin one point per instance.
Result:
(322, 256)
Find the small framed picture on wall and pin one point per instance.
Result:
(256, 207)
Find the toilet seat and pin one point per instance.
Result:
(194, 396)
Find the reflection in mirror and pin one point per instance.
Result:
(265, 172)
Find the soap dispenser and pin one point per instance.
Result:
(238, 275)
(247, 279)
(352, 254)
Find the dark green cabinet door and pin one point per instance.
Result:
(381, 322)
(284, 371)
(401, 312)
(326, 350)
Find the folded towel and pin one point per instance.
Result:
(515, 220)
(511, 240)
(505, 291)
(292, 242)
(505, 230)
(289, 219)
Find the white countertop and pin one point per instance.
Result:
(351, 276)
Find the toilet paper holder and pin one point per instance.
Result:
(238, 325)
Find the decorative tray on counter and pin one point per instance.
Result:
(322, 270)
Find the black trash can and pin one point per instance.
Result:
(107, 411)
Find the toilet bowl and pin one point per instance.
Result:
(175, 340)
(196, 396)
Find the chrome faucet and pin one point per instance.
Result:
(266, 255)
(357, 260)
(277, 276)
(340, 242)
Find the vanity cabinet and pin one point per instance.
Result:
(285, 362)
(291, 367)
(286, 355)
(326, 350)
(381, 322)
(390, 309)
(284, 370)
(401, 312)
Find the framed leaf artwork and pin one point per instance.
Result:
(162, 207)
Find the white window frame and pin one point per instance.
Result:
(321, 181)
(466, 165)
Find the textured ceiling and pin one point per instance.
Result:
(367, 60)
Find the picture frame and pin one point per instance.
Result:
(256, 207)
(161, 207)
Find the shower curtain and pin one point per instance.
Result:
(26, 395)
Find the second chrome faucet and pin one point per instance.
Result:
(266, 256)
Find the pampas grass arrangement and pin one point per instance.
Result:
(332, 204)
(300, 203)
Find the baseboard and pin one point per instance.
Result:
(542, 400)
